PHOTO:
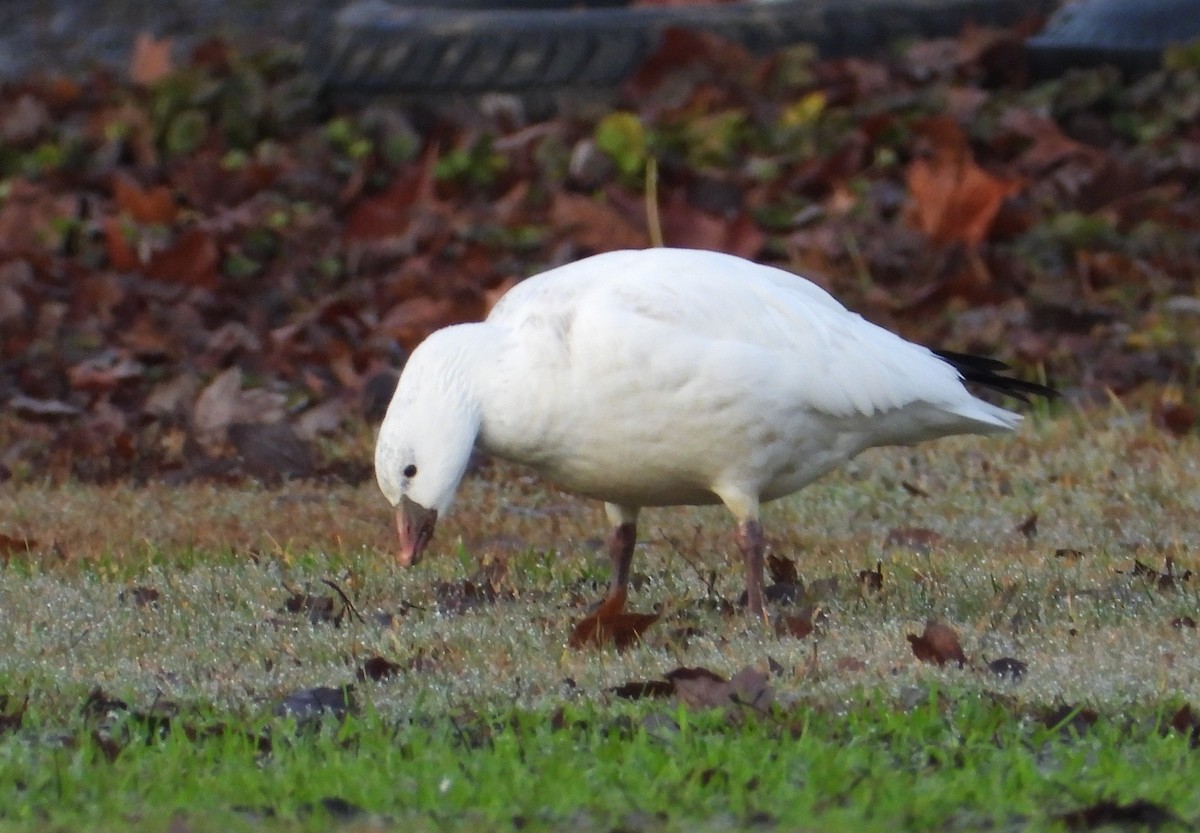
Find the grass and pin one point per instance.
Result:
(493, 723)
(945, 763)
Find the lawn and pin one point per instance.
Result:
(158, 637)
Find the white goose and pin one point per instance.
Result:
(665, 377)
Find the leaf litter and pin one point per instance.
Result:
(170, 230)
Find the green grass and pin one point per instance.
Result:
(947, 763)
(862, 736)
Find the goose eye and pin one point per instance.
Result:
(410, 470)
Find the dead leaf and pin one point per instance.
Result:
(377, 668)
(1166, 580)
(12, 721)
(152, 206)
(100, 705)
(938, 644)
(1178, 418)
(593, 223)
(140, 596)
(686, 226)
(223, 403)
(1014, 669)
(319, 609)
(1028, 527)
(15, 545)
(798, 625)
(1187, 722)
(34, 217)
(700, 688)
(192, 260)
(644, 689)
(953, 200)
(317, 702)
(272, 451)
(217, 408)
(121, 253)
(151, 60)
(871, 581)
(323, 419)
(782, 570)
(1103, 814)
(104, 372)
(609, 624)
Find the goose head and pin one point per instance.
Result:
(426, 439)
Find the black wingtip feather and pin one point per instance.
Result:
(988, 372)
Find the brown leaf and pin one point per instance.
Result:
(192, 260)
(121, 254)
(1014, 669)
(1176, 417)
(594, 224)
(15, 545)
(12, 721)
(152, 206)
(32, 216)
(217, 408)
(609, 624)
(390, 213)
(272, 451)
(681, 50)
(686, 226)
(798, 625)
(1072, 718)
(377, 668)
(703, 689)
(409, 321)
(1166, 580)
(151, 59)
(953, 199)
(140, 596)
(223, 403)
(1187, 722)
(938, 644)
(871, 581)
(1028, 527)
(318, 608)
(782, 570)
(1140, 813)
(638, 690)
(104, 372)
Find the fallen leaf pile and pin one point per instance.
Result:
(206, 267)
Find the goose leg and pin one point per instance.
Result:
(621, 540)
(620, 551)
(751, 542)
